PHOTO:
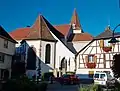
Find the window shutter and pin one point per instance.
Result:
(95, 59)
(86, 59)
(102, 43)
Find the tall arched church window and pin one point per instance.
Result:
(47, 54)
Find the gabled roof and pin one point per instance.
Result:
(107, 33)
(5, 35)
(80, 37)
(20, 33)
(39, 30)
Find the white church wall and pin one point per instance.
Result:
(78, 45)
(61, 52)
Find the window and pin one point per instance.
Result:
(90, 58)
(5, 43)
(96, 76)
(106, 43)
(47, 54)
(1, 57)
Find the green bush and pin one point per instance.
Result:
(20, 84)
(24, 84)
(46, 76)
(42, 86)
(90, 88)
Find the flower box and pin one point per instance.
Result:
(91, 65)
(107, 49)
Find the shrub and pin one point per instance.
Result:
(90, 88)
(21, 84)
(46, 76)
(24, 84)
(42, 86)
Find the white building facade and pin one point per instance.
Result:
(7, 51)
(98, 54)
(55, 46)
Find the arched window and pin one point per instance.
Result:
(47, 54)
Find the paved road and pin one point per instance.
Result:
(58, 87)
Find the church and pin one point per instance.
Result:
(50, 48)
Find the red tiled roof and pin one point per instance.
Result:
(20, 33)
(64, 29)
(80, 37)
(35, 31)
(40, 29)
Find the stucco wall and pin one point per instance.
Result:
(11, 47)
(7, 62)
(78, 45)
(61, 52)
(36, 45)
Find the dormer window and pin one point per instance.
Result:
(5, 43)
(73, 26)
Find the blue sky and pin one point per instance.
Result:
(94, 15)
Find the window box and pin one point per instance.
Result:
(107, 48)
(91, 65)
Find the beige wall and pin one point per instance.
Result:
(7, 62)
(8, 53)
(11, 47)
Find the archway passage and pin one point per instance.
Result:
(63, 65)
(31, 59)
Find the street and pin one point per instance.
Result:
(58, 87)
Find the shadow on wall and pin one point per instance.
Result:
(33, 64)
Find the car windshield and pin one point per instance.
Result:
(102, 75)
(96, 76)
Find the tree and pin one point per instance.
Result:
(116, 65)
(18, 69)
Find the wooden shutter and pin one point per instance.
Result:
(86, 59)
(95, 59)
(102, 43)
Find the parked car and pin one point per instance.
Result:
(104, 79)
(69, 79)
(85, 78)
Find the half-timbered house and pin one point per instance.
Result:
(98, 54)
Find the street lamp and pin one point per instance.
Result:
(113, 39)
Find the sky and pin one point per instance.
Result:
(94, 15)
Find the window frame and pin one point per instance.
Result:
(5, 43)
(89, 59)
(47, 53)
(2, 57)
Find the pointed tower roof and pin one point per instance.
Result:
(106, 34)
(75, 20)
